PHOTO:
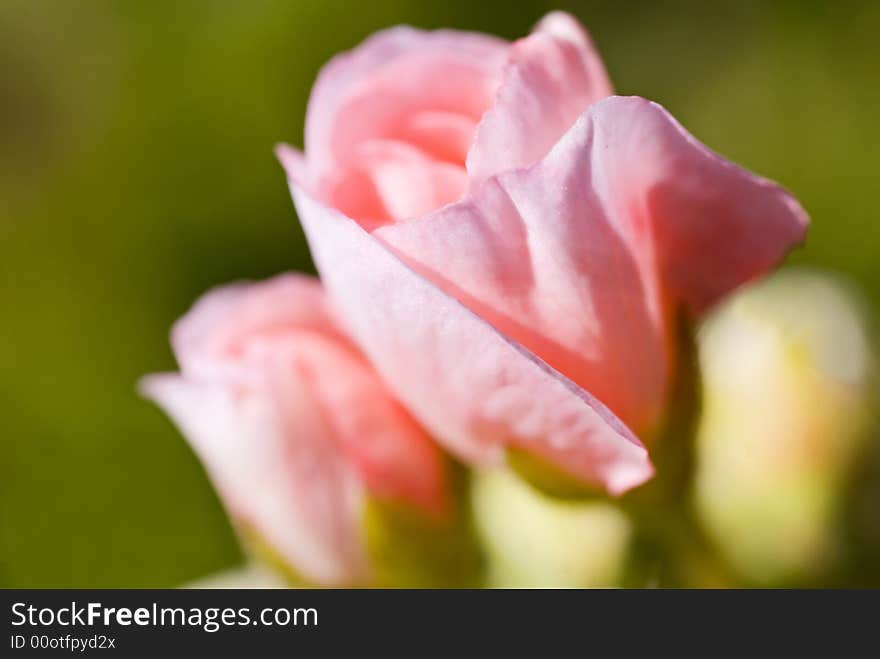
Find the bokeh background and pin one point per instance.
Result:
(136, 171)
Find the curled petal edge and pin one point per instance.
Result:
(473, 387)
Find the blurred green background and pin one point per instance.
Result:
(136, 171)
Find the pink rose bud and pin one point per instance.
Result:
(511, 246)
(294, 427)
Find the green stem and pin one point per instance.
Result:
(669, 548)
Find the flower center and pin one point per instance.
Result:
(402, 137)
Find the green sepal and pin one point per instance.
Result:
(550, 479)
(411, 549)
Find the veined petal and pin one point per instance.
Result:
(474, 388)
(551, 77)
(713, 224)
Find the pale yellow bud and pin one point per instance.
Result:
(786, 372)
(534, 540)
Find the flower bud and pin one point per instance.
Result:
(786, 369)
(536, 540)
(300, 437)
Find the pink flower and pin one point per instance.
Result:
(511, 246)
(293, 425)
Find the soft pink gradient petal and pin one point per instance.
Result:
(394, 180)
(551, 77)
(393, 456)
(293, 425)
(373, 91)
(445, 136)
(208, 340)
(713, 224)
(474, 388)
(277, 472)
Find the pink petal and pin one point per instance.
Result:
(714, 225)
(474, 388)
(224, 319)
(445, 136)
(552, 76)
(393, 456)
(293, 425)
(292, 488)
(393, 180)
(371, 91)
